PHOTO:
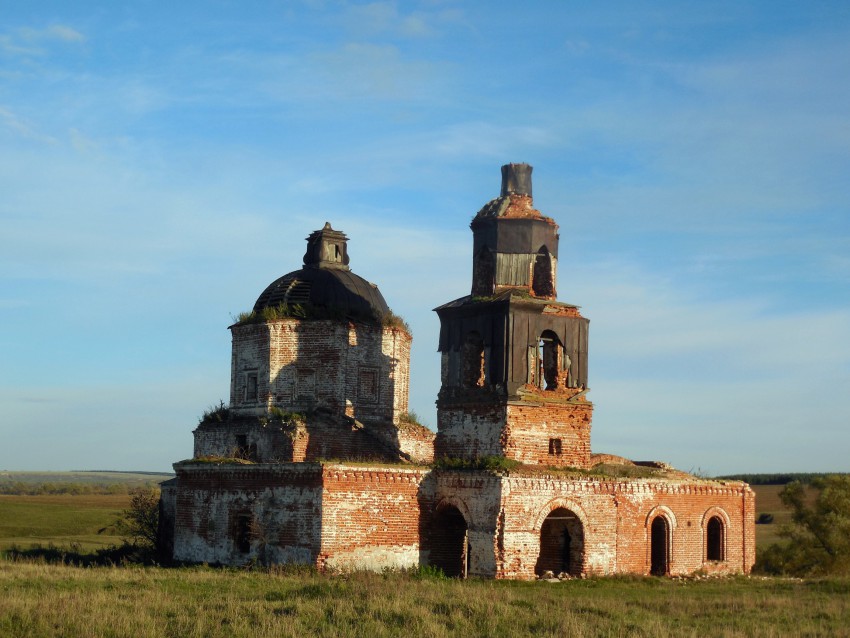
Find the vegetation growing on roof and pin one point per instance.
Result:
(219, 460)
(286, 416)
(315, 313)
(288, 311)
(487, 463)
(618, 470)
(215, 414)
(410, 421)
(389, 319)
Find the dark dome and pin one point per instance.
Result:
(334, 290)
(326, 285)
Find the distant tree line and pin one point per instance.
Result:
(777, 479)
(21, 488)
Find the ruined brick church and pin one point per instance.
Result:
(316, 460)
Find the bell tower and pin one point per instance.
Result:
(514, 359)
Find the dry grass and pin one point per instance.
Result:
(48, 600)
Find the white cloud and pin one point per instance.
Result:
(24, 42)
(645, 317)
(22, 128)
(384, 19)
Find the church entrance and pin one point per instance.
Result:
(659, 547)
(561, 544)
(450, 542)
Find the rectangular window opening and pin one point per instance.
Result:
(251, 390)
(555, 447)
(243, 533)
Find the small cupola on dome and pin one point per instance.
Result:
(325, 287)
(327, 248)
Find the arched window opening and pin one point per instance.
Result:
(543, 279)
(659, 547)
(550, 361)
(472, 361)
(561, 544)
(484, 273)
(714, 537)
(450, 542)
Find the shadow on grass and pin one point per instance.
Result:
(124, 554)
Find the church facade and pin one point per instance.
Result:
(316, 460)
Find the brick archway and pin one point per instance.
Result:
(561, 529)
(715, 528)
(660, 523)
(554, 504)
(450, 550)
(561, 544)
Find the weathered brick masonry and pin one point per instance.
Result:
(315, 460)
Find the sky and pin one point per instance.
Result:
(161, 163)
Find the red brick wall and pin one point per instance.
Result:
(517, 430)
(342, 516)
(615, 516)
(370, 517)
(531, 429)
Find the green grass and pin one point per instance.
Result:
(47, 600)
(64, 521)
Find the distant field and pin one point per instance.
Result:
(41, 508)
(63, 521)
(53, 482)
(768, 502)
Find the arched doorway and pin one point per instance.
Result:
(714, 544)
(659, 546)
(550, 360)
(450, 542)
(561, 544)
(543, 281)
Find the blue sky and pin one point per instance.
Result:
(161, 163)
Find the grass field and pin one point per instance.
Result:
(48, 600)
(40, 599)
(63, 521)
(767, 502)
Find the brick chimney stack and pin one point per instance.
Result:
(516, 179)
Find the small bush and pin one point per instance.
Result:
(216, 413)
(140, 520)
(285, 416)
(391, 320)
